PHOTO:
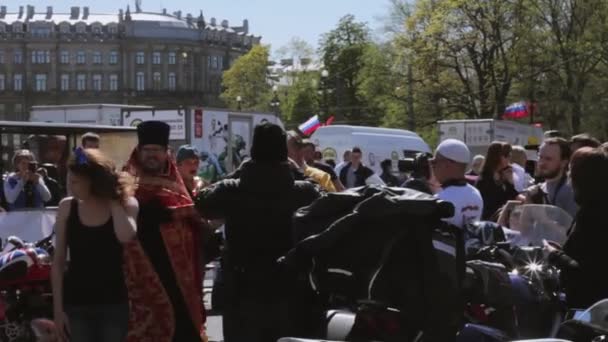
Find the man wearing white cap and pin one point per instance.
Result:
(449, 167)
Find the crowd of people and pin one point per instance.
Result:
(138, 236)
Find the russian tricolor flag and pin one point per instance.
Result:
(310, 126)
(517, 110)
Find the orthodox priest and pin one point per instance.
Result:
(168, 229)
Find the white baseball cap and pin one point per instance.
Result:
(454, 150)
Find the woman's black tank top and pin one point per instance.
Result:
(95, 271)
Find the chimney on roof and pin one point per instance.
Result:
(178, 14)
(30, 11)
(85, 12)
(246, 26)
(164, 11)
(213, 22)
(128, 14)
(225, 23)
(2, 12)
(121, 15)
(189, 19)
(49, 12)
(20, 12)
(74, 13)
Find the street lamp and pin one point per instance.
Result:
(239, 99)
(275, 103)
(324, 76)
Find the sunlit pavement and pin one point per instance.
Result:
(214, 328)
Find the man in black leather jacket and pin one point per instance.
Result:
(258, 208)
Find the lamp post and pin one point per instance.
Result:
(275, 103)
(239, 99)
(324, 76)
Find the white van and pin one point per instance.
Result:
(377, 144)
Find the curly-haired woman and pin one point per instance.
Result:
(90, 296)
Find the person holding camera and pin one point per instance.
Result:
(420, 178)
(25, 188)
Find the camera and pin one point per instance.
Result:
(419, 165)
(32, 167)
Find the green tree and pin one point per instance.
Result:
(248, 78)
(471, 42)
(300, 101)
(342, 51)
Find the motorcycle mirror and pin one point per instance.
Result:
(15, 241)
(602, 338)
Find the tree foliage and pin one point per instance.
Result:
(248, 78)
(342, 52)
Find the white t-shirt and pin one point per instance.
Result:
(467, 201)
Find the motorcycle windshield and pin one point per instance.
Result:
(536, 222)
(596, 315)
(28, 225)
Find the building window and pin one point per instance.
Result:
(81, 57)
(1, 56)
(18, 82)
(172, 81)
(2, 82)
(171, 57)
(81, 82)
(18, 57)
(64, 28)
(114, 57)
(113, 29)
(41, 57)
(97, 82)
(18, 27)
(40, 82)
(220, 62)
(41, 32)
(81, 28)
(141, 81)
(214, 62)
(65, 82)
(113, 82)
(65, 57)
(96, 57)
(97, 29)
(156, 58)
(156, 80)
(140, 58)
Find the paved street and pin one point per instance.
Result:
(214, 328)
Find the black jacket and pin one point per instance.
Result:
(257, 209)
(587, 283)
(494, 195)
(362, 173)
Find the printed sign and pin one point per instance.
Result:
(175, 118)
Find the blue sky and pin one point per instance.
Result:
(275, 20)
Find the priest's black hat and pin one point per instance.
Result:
(269, 144)
(153, 133)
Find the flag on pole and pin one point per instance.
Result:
(517, 110)
(310, 126)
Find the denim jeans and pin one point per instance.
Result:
(98, 323)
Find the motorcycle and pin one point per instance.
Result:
(362, 295)
(25, 282)
(533, 304)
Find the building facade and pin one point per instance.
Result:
(137, 58)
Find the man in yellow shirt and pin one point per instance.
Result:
(295, 147)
